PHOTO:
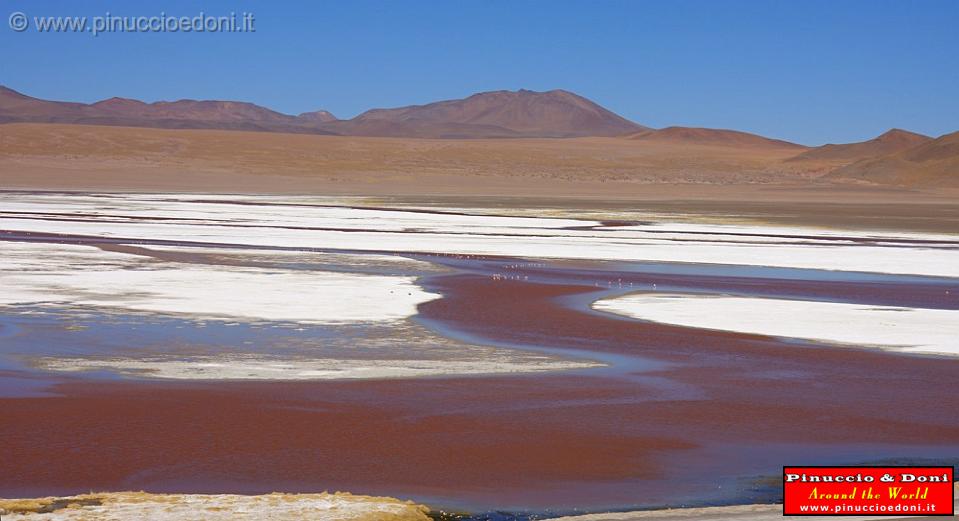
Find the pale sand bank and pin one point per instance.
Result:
(254, 367)
(189, 507)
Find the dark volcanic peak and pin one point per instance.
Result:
(890, 142)
(555, 113)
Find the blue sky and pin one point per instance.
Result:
(808, 71)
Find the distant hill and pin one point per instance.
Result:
(19, 107)
(522, 113)
(932, 163)
(892, 141)
(318, 116)
(711, 136)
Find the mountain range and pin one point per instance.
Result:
(499, 114)
(897, 156)
(230, 115)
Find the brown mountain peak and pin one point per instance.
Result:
(899, 135)
(932, 163)
(501, 113)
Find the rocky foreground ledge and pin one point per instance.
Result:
(188, 507)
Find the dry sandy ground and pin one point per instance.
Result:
(79, 157)
(186, 507)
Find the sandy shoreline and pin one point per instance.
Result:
(121, 506)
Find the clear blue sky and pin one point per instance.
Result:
(804, 70)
